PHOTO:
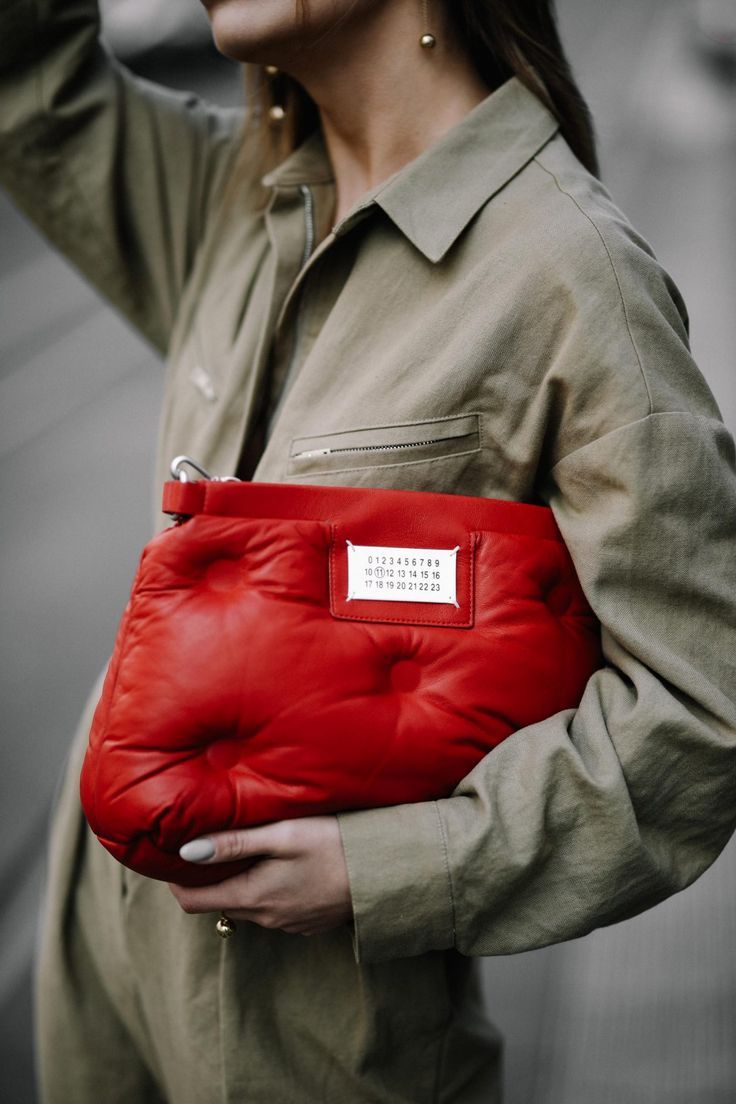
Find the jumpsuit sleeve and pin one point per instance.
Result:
(596, 813)
(119, 173)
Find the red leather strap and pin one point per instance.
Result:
(403, 509)
(183, 498)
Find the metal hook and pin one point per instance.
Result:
(177, 471)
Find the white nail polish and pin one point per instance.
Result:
(197, 850)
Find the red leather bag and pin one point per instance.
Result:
(294, 649)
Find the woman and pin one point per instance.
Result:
(437, 254)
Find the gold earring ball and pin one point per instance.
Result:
(428, 42)
(276, 114)
(272, 70)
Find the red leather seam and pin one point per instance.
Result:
(330, 567)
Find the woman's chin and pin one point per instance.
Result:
(246, 32)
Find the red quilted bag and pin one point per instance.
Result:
(294, 649)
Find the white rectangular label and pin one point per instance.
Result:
(386, 574)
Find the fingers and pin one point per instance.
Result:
(253, 895)
(295, 877)
(231, 894)
(241, 843)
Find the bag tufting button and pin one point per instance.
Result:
(224, 574)
(405, 674)
(224, 754)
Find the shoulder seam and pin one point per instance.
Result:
(597, 229)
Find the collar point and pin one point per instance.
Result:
(436, 253)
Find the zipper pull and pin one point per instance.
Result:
(316, 452)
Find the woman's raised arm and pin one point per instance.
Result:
(119, 173)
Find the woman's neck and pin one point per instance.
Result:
(382, 98)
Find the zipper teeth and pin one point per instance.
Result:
(377, 448)
(308, 222)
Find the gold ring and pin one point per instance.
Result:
(225, 926)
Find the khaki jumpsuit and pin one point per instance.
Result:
(485, 322)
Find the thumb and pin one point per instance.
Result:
(236, 843)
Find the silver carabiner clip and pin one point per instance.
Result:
(177, 468)
(177, 471)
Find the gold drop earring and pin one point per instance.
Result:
(427, 41)
(276, 112)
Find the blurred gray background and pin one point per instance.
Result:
(641, 1013)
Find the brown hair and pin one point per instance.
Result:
(503, 38)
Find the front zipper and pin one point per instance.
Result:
(308, 223)
(309, 234)
(375, 448)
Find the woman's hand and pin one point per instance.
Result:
(298, 881)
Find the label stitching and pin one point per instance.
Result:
(407, 618)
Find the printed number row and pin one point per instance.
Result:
(407, 561)
(389, 573)
(379, 584)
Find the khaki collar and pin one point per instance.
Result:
(433, 198)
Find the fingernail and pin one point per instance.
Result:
(197, 850)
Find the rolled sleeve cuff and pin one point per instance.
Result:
(399, 881)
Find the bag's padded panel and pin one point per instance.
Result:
(244, 687)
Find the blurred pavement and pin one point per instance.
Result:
(641, 1013)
